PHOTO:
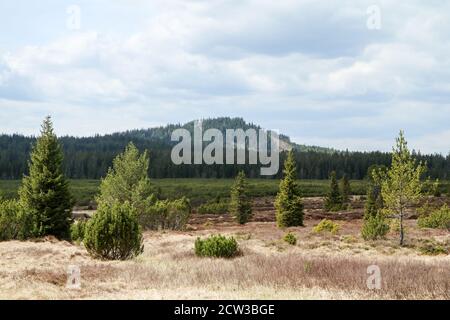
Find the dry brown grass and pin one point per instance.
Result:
(320, 266)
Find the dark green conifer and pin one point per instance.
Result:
(289, 204)
(333, 201)
(345, 191)
(240, 204)
(44, 193)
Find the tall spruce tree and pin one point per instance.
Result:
(333, 201)
(288, 203)
(401, 187)
(44, 193)
(240, 204)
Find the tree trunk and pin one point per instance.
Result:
(401, 228)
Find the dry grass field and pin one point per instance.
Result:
(320, 266)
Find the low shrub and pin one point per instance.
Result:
(213, 207)
(113, 233)
(438, 219)
(433, 188)
(15, 222)
(290, 238)
(349, 239)
(425, 209)
(374, 227)
(327, 226)
(77, 230)
(166, 214)
(432, 248)
(336, 207)
(394, 225)
(216, 246)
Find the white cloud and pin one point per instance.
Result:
(310, 68)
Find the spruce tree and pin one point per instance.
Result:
(374, 201)
(240, 204)
(333, 202)
(345, 191)
(288, 203)
(374, 221)
(44, 193)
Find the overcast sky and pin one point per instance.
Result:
(323, 72)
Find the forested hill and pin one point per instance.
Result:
(90, 157)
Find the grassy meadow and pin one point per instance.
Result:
(321, 265)
(198, 190)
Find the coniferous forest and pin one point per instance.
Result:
(90, 157)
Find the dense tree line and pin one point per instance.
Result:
(90, 157)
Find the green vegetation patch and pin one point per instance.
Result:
(290, 238)
(216, 246)
(438, 219)
(199, 191)
(327, 226)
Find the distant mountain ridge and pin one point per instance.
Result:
(90, 157)
(163, 133)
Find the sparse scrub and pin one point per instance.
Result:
(374, 227)
(216, 246)
(128, 181)
(213, 207)
(77, 230)
(394, 226)
(170, 270)
(327, 226)
(290, 238)
(243, 236)
(114, 233)
(438, 218)
(196, 189)
(166, 214)
(432, 188)
(349, 239)
(437, 188)
(374, 203)
(15, 223)
(432, 248)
